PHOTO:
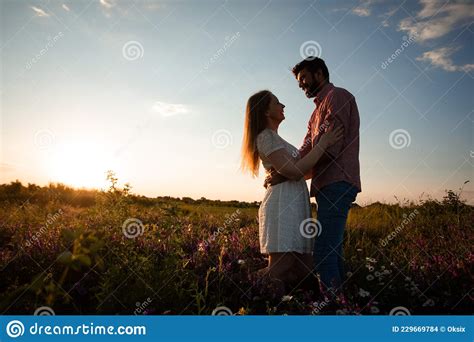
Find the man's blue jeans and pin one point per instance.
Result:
(334, 202)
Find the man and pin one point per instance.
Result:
(335, 179)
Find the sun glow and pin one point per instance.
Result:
(79, 165)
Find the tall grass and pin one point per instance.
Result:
(67, 249)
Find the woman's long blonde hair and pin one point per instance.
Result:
(255, 122)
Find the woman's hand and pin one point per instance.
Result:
(332, 137)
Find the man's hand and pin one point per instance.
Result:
(273, 178)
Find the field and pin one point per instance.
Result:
(67, 251)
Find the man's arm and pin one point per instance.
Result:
(295, 169)
(307, 145)
(338, 115)
(307, 141)
(274, 178)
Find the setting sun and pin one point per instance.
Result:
(79, 165)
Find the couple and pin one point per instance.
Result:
(329, 156)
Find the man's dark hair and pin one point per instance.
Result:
(312, 64)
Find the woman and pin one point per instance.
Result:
(285, 206)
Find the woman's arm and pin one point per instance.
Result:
(286, 165)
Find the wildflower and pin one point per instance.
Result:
(242, 311)
(203, 246)
(429, 302)
(374, 310)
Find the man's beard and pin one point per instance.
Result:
(313, 90)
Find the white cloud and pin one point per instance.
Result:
(436, 19)
(39, 12)
(387, 15)
(169, 109)
(107, 3)
(365, 8)
(151, 5)
(361, 11)
(440, 58)
(108, 7)
(429, 8)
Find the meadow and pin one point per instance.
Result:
(73, 251)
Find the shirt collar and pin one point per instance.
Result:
(323, 92)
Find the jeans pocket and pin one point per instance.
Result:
(337, 197)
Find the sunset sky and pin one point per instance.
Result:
(156, 90)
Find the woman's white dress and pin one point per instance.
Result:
(285, 207)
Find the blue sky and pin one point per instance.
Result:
(156, 90)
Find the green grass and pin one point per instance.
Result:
(66, 249)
